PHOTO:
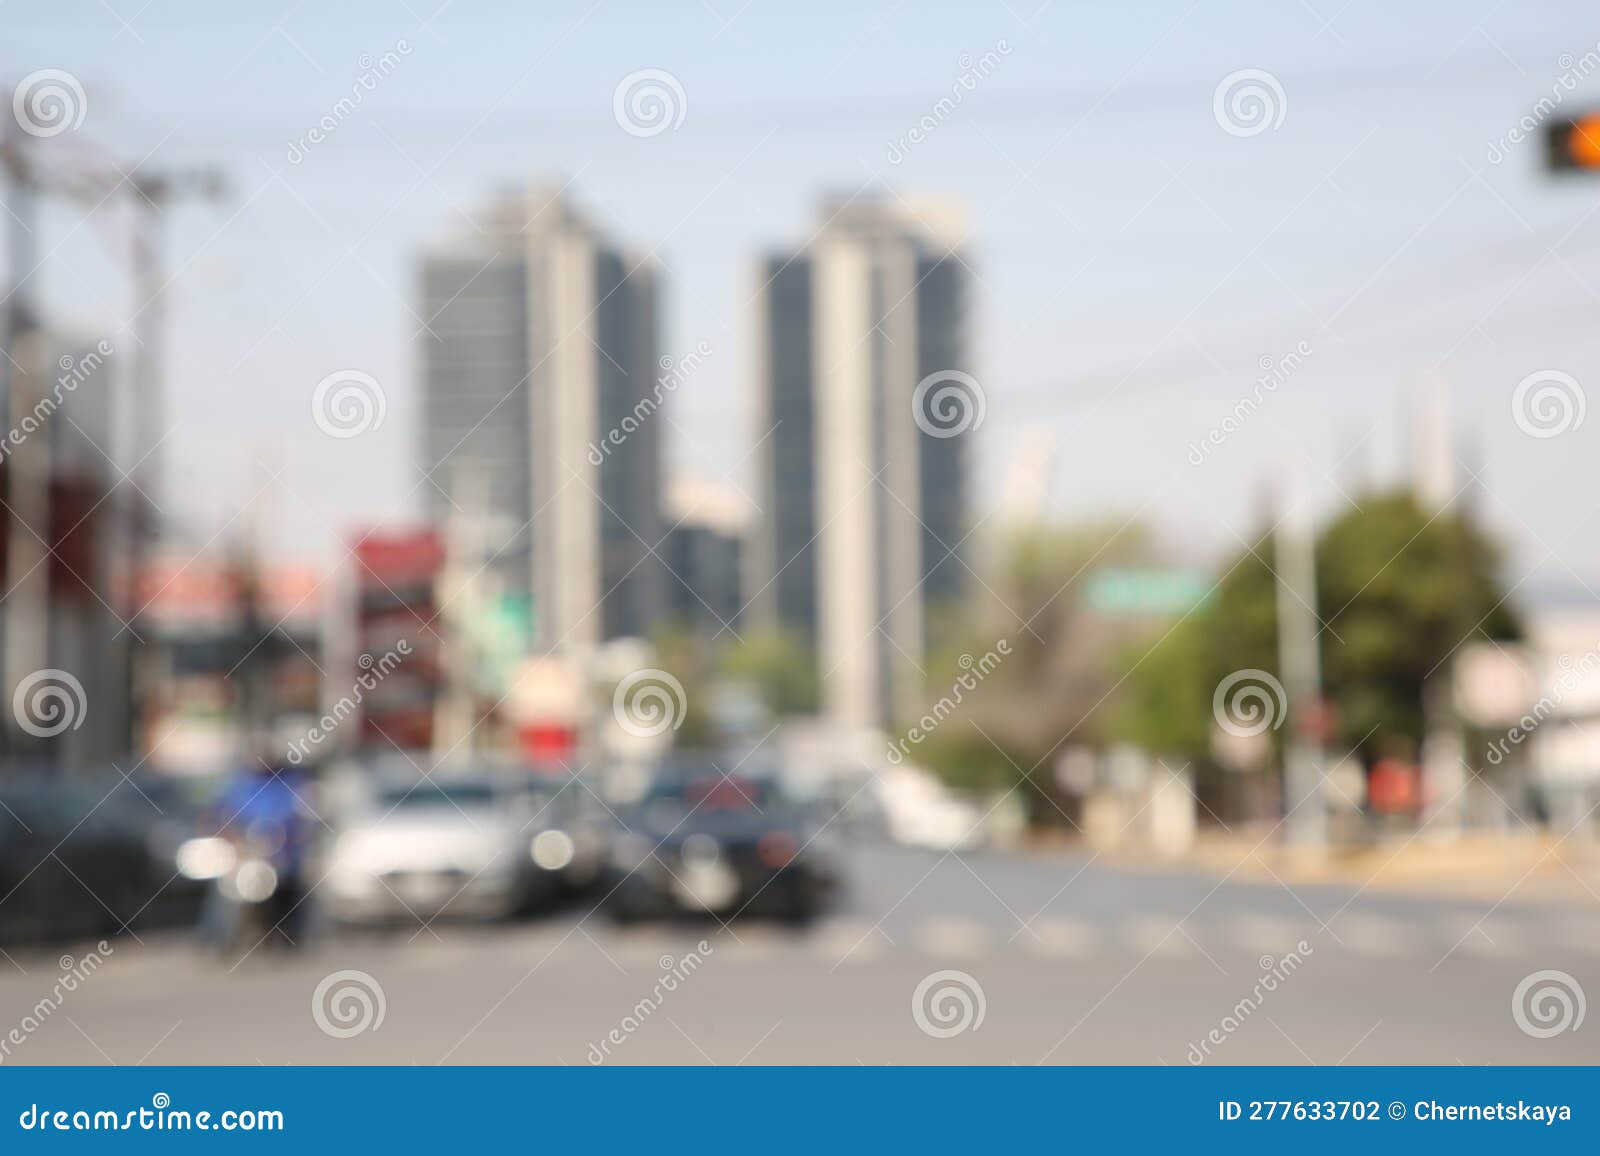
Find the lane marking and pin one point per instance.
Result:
(953, 937)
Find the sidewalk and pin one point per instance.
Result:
(1527, 867)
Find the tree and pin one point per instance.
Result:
(1056, 676)
(1402, 590)
(779, 665)
(1398, 590)
(685, 655)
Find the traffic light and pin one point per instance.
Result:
(1573, 145)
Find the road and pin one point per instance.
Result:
(1070, 960)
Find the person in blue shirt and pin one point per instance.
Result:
(263, 810)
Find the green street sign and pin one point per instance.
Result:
(1147, 590)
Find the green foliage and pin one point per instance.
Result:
(779, 665)
(685, 656)
(1164, 705)
(965, 759)
(1398, 590)
(1402, 592)
(1056, 676)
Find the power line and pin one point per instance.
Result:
(1422, 293)
(991, 104)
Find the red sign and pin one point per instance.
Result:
(542, 741)
(399, 557)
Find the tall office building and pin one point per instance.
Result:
(538, 426)
(865, 504)
(703, 548)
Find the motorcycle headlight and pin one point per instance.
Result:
(552, 849)
(208, 858)
(256, 881)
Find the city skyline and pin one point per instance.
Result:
(545, 401)
(1103, 319)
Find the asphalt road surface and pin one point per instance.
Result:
(930, 958)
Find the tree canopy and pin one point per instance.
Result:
(1399, 589)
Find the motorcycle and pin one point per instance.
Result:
(249, 902)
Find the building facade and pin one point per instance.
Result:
(540, 341)
(703, 551)
(866, 497)
(65, 646)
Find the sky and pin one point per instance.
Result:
(1135, 263)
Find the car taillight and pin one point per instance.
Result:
(777, 849)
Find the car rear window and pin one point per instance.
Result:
(438, 795)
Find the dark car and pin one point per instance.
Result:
(71, 862)
(704, 842)
(168, 810)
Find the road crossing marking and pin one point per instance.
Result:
(850, 939)
(846, 941)
(1057, 936)
(1268, 934)
(1374, 936)
(1485, 939)
(953, 937)
(1158, 936)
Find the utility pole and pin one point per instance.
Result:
(144, 413)
(1305, 822)
(461, 611)
(156, 191)
(24, 375)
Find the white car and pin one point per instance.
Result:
(470, 846)
(920, 811)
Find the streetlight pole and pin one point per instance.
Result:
(1305, 815)
(144, 411)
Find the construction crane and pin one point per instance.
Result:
(34, 168)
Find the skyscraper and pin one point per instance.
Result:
(539, 345)
(702, 553)
(865, 409)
